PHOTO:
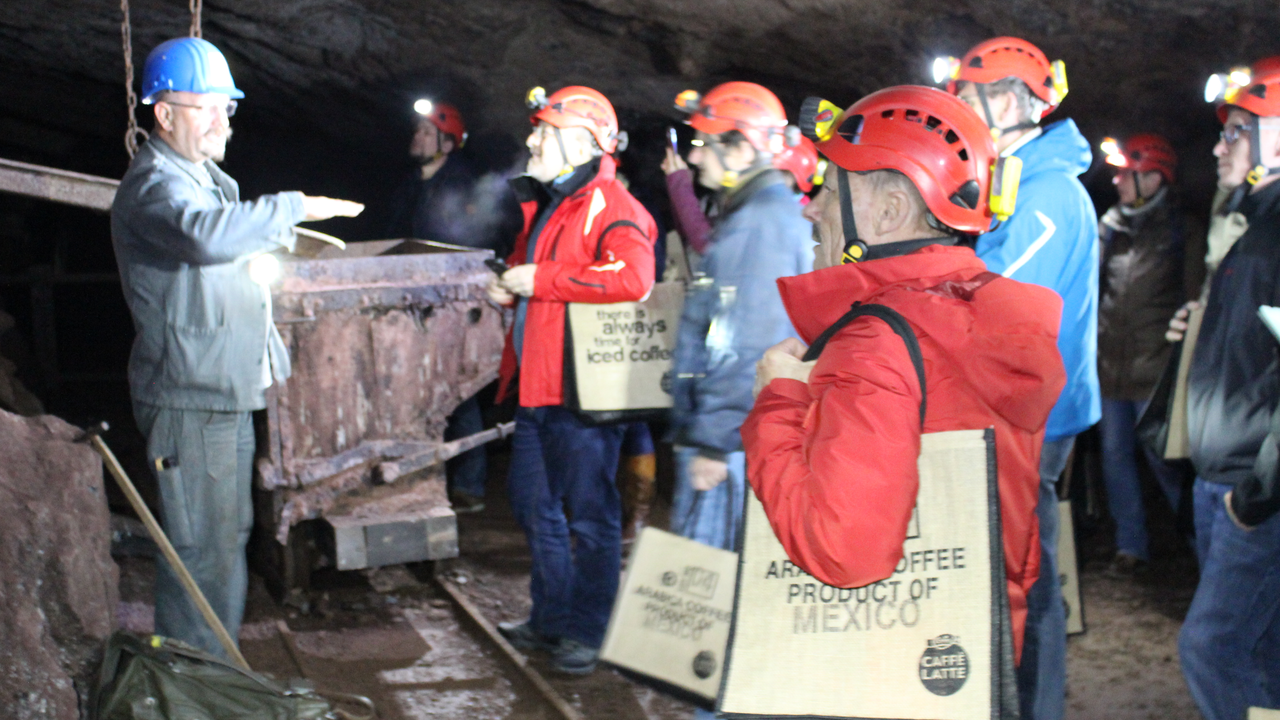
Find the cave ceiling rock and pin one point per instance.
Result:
(341, 68)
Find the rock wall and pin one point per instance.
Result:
(329, 82)
(59, 585)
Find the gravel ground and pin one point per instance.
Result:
(396, 638)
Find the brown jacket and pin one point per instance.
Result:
(1147, 274)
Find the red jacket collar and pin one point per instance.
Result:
(608, 171)
(817, 299)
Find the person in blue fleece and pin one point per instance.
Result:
(1051, 240)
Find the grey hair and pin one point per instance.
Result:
(596, 150)
(1030, 107)
(889, 180)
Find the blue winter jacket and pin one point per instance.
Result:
(1052, 240)
(734, 313)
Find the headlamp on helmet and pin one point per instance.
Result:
(423, 106)
(1223, 87)
(945, 69)
(1215, 88)
(536, 98)
(818, 118)
(1114, 155)
(689, 101)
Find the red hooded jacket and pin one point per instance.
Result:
(597, 247)
(991, 360)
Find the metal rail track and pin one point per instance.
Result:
(517, 658)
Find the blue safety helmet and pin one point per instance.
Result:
(187, 65)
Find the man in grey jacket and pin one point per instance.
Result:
(191, 256)
(734, 313)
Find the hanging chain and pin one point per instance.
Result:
(195, 17)
(134, 132)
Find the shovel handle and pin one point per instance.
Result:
(162, 540)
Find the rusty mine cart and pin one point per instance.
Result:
(387, 338)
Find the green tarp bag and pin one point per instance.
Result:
(159, 678)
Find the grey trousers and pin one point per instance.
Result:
(207, 511)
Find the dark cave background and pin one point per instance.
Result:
(329, 85)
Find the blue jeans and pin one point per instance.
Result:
(1042, 674)
(206, 506)
(637, 439)
(467, 471)
(1230, 641)
(559, 464)
(1120, 473)
(712, 517)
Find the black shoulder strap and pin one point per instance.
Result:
(896, 322)
(614, 226)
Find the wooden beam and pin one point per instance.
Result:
(63, 186)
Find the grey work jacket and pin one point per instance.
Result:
(183, 240)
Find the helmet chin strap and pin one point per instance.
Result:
(997, 132)
(1139, 198)
(1259, 170)
(855, 250)
(564, 155)
(730, 178)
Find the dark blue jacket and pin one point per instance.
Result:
(1234, 384)
(734, 312)
(1052, 241)
(459, 205)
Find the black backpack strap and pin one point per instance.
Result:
(896, 322)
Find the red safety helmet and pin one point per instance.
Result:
(1002, 57)
(1255, 89)
(933, 138)
(749, 108)
(445, 117)
(578, 106)
(1142, 153)
(802, 162)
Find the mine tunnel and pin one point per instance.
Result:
(367, 574)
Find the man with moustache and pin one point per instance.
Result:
(1230, 641)
(585, 240)
(206, 349)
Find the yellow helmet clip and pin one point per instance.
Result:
(1059, 90)
(1006, 173)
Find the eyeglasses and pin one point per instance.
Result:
(1231, 133)
(230, 108)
